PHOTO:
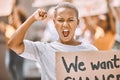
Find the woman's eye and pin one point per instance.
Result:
(70, 20)
(61, 20)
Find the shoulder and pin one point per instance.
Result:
(37, 46)
(35, 42)
(89, 46)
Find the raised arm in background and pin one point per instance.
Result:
(112, 19)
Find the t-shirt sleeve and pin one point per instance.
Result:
(31, 51)
(90, 46)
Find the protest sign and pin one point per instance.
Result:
(90, 7)
(44, 3)
(6, 7)
(88, 65)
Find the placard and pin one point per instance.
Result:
(44, 3)
(88, 65)
(6, 7)
(90, 7)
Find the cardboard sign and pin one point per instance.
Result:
(6, 7)
(91, 7)
(44, 3)
(88, 65)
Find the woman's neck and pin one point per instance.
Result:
(72, 42)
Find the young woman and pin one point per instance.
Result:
(66, 21)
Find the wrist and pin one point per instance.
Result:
(32, 19)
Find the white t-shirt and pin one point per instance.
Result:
(44, 53)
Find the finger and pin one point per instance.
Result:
(45, 16)
(42, 11)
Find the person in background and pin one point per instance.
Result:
(2, 30)
(15, 62)
(65, 21)
(107, 23)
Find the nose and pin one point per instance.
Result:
(65, 24)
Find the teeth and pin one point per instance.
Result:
(65, 32)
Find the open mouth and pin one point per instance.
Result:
(65, 32)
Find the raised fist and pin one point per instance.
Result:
(40, 14)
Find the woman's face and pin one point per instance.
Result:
(66, 22)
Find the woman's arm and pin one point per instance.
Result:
(16, 40)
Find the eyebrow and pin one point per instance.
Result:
(72, 18)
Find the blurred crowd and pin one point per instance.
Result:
(99, 25)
